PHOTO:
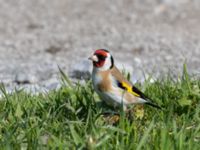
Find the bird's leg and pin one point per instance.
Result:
(130, 114)
(111, 117)
(107, 113)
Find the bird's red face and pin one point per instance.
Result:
(99, 57)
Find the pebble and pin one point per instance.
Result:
(25, 78)
(52, 84)
(82, 70)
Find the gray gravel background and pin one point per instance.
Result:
(143, 35)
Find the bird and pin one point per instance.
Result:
(111, 86)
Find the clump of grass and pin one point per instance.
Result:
(71, 118)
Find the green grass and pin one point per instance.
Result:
(70, 118)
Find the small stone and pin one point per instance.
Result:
(52, 84)
(53, 49)
(81, 70)
(137, 61)
(81, 75)
(33, 89)
(25, 78)
(160, 9)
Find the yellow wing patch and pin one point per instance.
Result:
(129, 89)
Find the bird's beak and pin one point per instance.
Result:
(93, 58)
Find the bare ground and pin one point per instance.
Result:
(153, 36)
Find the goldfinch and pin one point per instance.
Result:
(110, 84)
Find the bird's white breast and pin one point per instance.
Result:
(96, 79)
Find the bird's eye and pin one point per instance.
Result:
(101, 57)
